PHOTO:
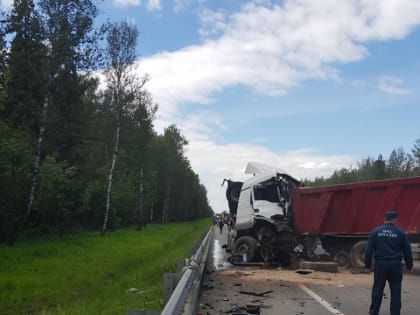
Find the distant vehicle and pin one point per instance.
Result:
(277, 219)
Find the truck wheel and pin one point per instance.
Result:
(246, 245)
(357, 255)
(342, 258)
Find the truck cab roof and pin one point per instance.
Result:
(263, 172)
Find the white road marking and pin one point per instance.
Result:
(320, 300)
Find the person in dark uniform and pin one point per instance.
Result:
(388, 243)
(221, 223)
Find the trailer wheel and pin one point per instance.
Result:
(246, 245)
(357, 255)
(342, 258)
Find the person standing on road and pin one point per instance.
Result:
(388, 243)
(221, 223)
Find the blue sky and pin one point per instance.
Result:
(308, 86)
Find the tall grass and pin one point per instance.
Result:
(87, 274)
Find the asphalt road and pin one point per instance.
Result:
(229, 289)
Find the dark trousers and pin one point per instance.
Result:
(391, 272)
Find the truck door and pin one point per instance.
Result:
(266, 201)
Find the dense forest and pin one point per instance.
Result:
(399, 164)
(73, 156)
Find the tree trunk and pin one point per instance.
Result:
(151, 212)
(37, 162)
(111, 170)
(166, 204)
(140, 199)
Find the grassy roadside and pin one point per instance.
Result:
(86, 274)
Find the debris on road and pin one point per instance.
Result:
(256, 294)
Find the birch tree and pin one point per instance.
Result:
(61, 31)
(122, 87)
(26, 101)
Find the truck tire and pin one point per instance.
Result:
(357, 255)
(342, 258)
(246, 245)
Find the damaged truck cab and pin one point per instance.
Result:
(262, 211)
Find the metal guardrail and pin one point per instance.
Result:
(183, 298)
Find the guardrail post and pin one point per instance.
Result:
(169, 284)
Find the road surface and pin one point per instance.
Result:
(228, 289)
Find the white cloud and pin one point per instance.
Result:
(151, 5)
(314, 165)
(392, 85)
(127, 3)
(154, 5)
(201, 125)
(180, 5)
(213, 23)
(273, 48)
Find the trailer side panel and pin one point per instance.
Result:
(352, 209)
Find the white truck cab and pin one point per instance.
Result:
(257, 200)
(260, 206)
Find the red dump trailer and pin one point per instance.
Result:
(275, 217)
(357, 208)
(342, 216)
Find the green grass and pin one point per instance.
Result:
(87, 274)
